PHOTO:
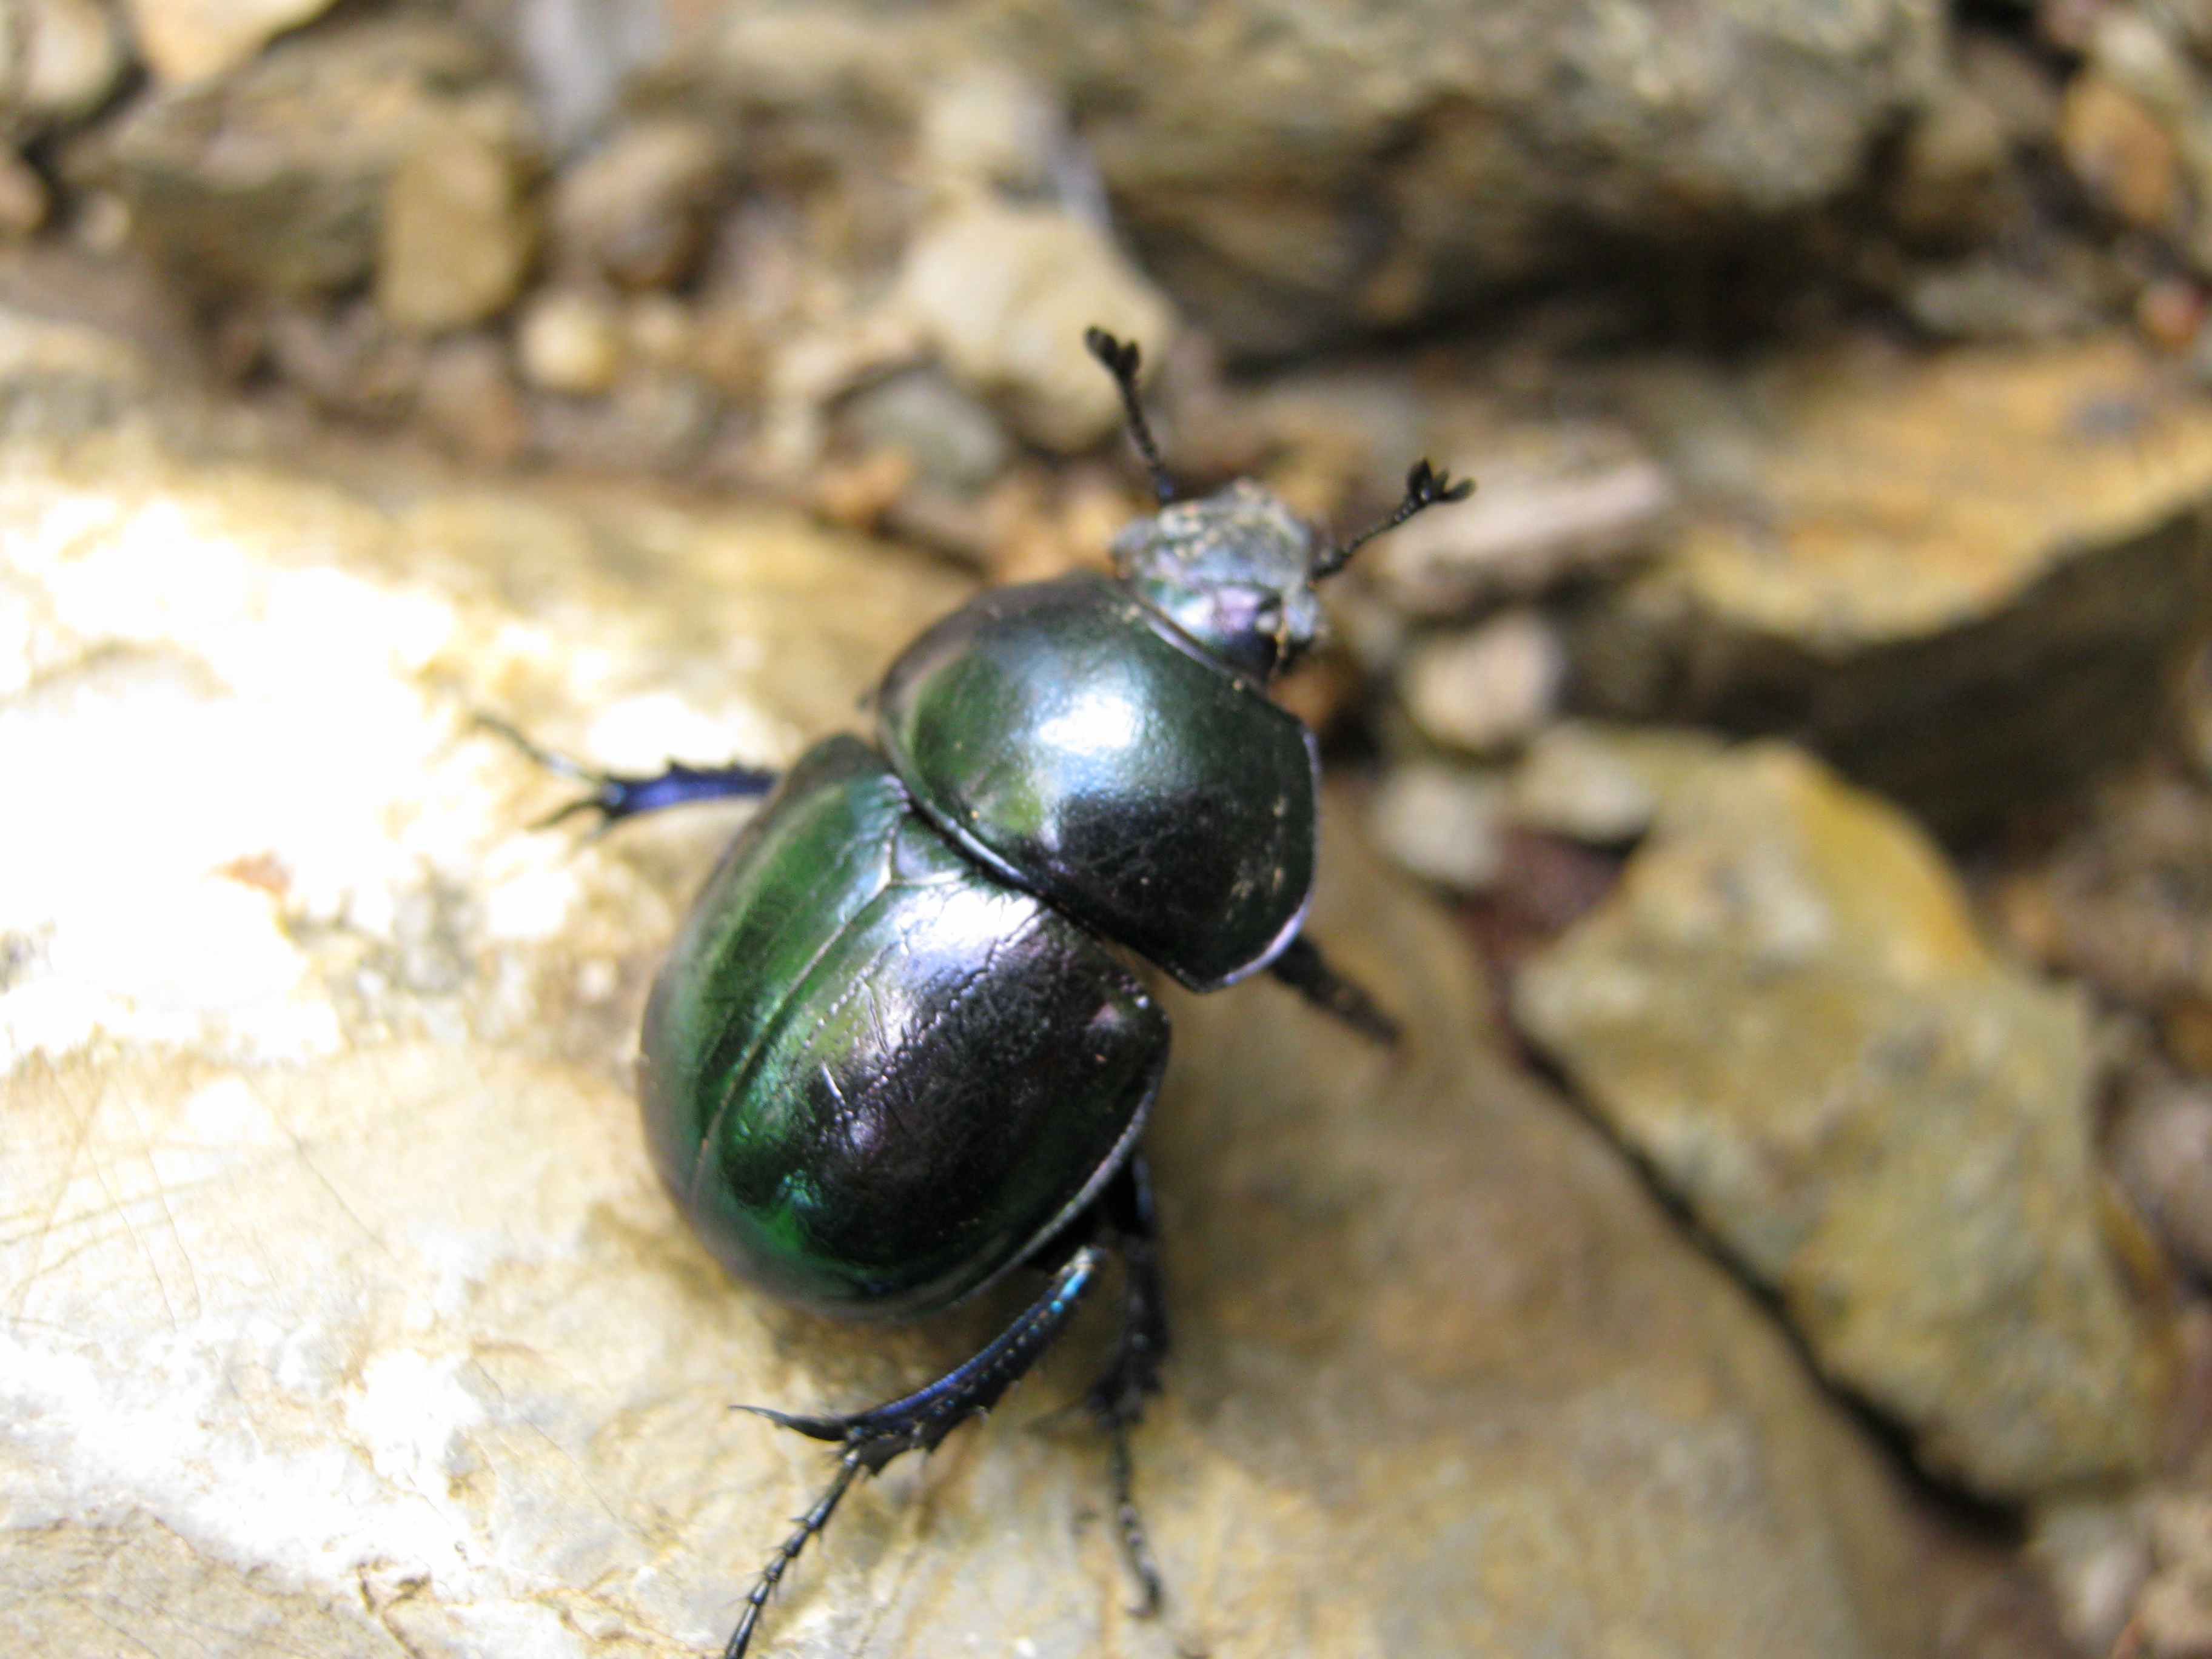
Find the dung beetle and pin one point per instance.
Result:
(896, 1052)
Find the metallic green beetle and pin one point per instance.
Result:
(896, 1052)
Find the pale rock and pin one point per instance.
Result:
(468, 395)
(198, 39)
(271, 181)
(1896, 546)
(1593, 781)
(59, 61)
(2162, 1150)
(1551, 504)
(1443, 824)
(570, 341)
(2095, 1554)
(1004, 293)
(1489, 689)
(987, 125)
(1785, 1008)
(23, 199)
(637, 208)
(955, 441)
(459, 233)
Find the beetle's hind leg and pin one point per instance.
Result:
(1132, 1374)
(615, 795)
(1302, 968)
(872, 1438)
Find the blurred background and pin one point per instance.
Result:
(1788, 781)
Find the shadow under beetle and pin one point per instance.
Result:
(892, 1056)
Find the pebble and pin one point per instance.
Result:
(570, 342)
(637, 208)
(2118, 151)
(2095, 1555)
(59, 61)
(1550, 503)
(661, 331)
(2174, 1613)
(2162, 1152)
(458, 233)
(198, 39)
(955, 441)
(1948, 165)
(1602, 784)
(468, 396)
(2171, 312)
(987, 125)
(1443, 824)
(349, 360)
(24, 203)
(102, 223)
(1487, 689)
(1004, 294)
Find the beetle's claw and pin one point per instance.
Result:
(551, 760)
(1120, 356)
(814, 1428)
(609, 796)
(1426, 487)
(606, 801)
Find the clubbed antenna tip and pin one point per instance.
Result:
(1425, 487)
(1120, 358)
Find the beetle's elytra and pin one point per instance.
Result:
(892, 1056)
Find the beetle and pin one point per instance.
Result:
(896, 1051)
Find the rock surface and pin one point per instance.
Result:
(2123, 898)
(1378, 164)
(198, 39)
(1786, 1009)
(1296, 174)
(341, 1312)
(272, 179)
(1886, 554)
(1604, 784)
(637, 208)
(1491, 688)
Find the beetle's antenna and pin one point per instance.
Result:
(1120, 357)
(1425, 487)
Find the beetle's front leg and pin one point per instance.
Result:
(872, 1438)
(1301, 967)
(615, 795)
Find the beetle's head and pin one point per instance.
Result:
(1236, 570)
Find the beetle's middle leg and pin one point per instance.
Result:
(615, 795)
(1117, 1398)
(1302, 968)
(872, 1438)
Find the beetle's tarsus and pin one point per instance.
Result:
(617, 795)
(1120, 358)
(1426, 487)
(807, 1526)
(1136, 1548)
(1131, 1376)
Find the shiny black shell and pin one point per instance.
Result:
(1072, 740)
(874, 1075)
(893, 1053)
